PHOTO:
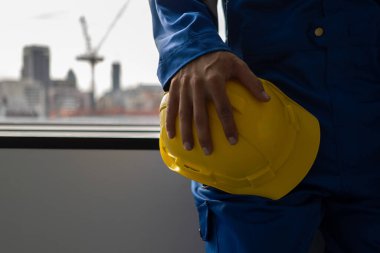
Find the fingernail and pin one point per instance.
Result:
(206, 151)
(187, 146)
(265, 95)
(232, 140)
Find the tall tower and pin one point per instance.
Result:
(116, 74)
(71, 78)
(36, 64)
(36, 67)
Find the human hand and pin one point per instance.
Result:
(203, 80)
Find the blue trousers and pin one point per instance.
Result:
(345, 206)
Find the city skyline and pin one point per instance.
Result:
(36, 94)
(56, 25)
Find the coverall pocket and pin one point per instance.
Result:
(204, 221)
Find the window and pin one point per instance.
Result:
(78, 62)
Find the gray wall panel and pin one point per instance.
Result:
(94, 201)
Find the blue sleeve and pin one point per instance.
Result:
(183, 30)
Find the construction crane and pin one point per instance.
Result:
(92, 54)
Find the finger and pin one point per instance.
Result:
(225, 113)
(172, 109)
(201, 119)
(251, 82)
(186, 118)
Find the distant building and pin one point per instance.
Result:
(69, 81)
(21, 98)
(68, 101)
(141, 99)
(144, 97)
(116, 76)
(36, 64)
(65, 99)
(71, 78)
(36, 68)
(35, 94)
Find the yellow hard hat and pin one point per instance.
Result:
(278, 143)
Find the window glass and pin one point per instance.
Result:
(78, 61)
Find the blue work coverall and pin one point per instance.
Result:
(324, 54)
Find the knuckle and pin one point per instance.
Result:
(199, 120)
(196, 79)
(174, 80)
(174, 83)
(183, 115)
(185, 78)
(225, 113)
(213, 79)
(197, 82)
(238, 63)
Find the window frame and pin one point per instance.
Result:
(78, 136)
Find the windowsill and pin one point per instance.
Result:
(79, 136)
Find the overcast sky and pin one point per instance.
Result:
(56, 24)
